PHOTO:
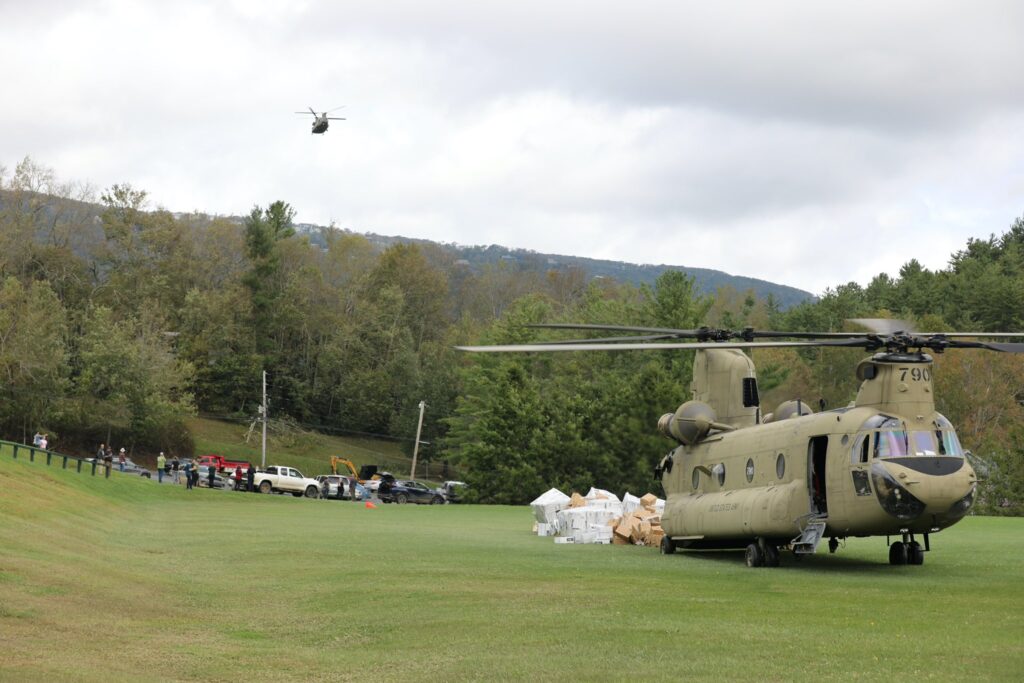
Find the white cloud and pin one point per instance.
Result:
(806, 143)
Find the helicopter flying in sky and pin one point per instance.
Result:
(320, 121)
(888, 464)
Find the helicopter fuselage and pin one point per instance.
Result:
(886, 465)
(320, 125)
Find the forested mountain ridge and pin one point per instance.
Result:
(475, 257)
(115, 326)
(708, 280)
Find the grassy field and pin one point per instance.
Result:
(122, 579)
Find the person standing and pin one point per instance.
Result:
(108, 458)
(238, 478)
(195, 474)
(100, 454)
(250, 477)
(120, 459)
(211, 472)
(175, 467)
(188, 474)
(37, 438)
(161, 462)
(44, 442)
(352, 488)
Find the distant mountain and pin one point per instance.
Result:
(478, 256)
(86, 217)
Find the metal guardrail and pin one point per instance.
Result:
(33, 451)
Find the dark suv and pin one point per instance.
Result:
(403, 491)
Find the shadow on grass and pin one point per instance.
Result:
(835, 564)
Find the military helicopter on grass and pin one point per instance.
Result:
(320, 121)
(887, 464)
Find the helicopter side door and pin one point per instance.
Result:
(817, 471)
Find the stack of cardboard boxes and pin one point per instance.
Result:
(642, 524)
(599, 517)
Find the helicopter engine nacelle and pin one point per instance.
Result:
(689, 424)
(788, 409)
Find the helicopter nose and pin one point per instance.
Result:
(908, 492)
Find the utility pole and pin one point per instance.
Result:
(263, 413)
(416, 446)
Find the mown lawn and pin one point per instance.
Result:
(121, 579)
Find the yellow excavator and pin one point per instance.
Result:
(335, 460)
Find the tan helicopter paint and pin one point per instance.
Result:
(737, 511)
(715, 377)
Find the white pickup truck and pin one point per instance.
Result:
(286, 480)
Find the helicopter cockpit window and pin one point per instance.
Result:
(946, 437)
(861, 450)
(891, 443)
(893, 440)
(696, 478)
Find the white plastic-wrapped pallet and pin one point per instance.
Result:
(629, 503)
(598, 498)
(547, 505)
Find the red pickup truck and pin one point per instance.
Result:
(223, 465)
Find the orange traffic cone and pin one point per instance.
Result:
(370, 506)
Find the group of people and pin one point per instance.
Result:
(105, 455)
(189, 467)
(41, 441)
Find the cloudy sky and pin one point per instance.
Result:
(807, 143)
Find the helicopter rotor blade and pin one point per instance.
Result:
(1005, 347)
(529, 348)
(312, 111)
(335, 109)
(631, 338)
(336, 118)
(704, 333)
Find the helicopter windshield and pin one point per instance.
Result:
(892, 440)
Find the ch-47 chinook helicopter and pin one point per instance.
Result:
(886, 465)
(320, 121)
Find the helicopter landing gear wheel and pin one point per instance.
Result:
(754, 556)
(667, 546)
(771, 555)
(898, 553)
(915, 554)
(833, 545)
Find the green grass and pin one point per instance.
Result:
(120, 579)
(310, 452)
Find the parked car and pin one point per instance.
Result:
(339, 486)
(219, 482)
(332, 486)
(452, 491)
(278, 479)
(373, 484)
(131, 467)
(404, 491)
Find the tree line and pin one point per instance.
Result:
(118, 320)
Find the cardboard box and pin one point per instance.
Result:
(649, 500)
(577, 501)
